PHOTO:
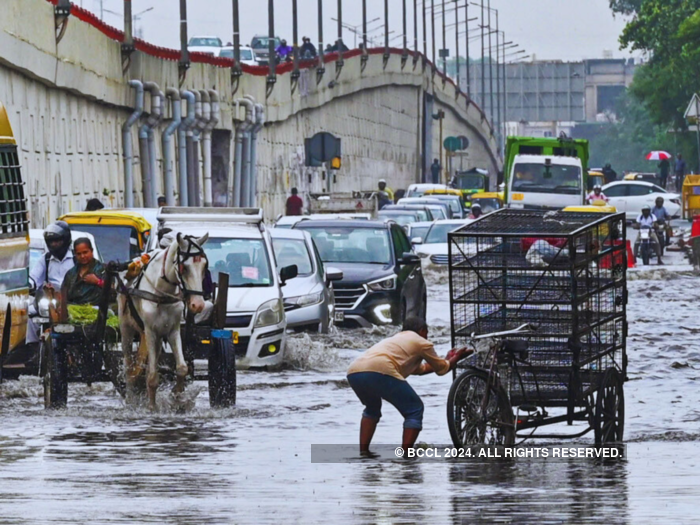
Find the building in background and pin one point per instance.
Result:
(546, 98)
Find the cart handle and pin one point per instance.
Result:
(527, 327)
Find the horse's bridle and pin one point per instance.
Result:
(182, 257)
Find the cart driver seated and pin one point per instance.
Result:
(84, 282)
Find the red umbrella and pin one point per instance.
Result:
(659, 155)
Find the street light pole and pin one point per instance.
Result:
(444, 43)
(490, 66)
(459, 81)
(432, 31)
(466, 38)
(236, 39)
(483, 60)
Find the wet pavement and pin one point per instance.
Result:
(100, 462)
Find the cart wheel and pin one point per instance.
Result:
(55, 366)
(222, 370)
(469, 424)
(609, 420)
(114, 365)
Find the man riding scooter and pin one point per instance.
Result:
(647, 222)
(663, 218)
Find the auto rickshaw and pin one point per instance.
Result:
(691, 197)
(595, 178)
(471, 182)
(645, 177)
(120, 235)
(489, 201)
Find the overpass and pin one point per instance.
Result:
(68, 98)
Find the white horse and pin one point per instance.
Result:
(172, 279)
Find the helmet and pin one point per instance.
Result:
(58, 231)
(597, 187)
(382, 180)
(646, 207)
(476, 205)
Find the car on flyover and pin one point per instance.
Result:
(631, 196)
(248, 56)
(209, 45)
(382, 278)
(434, 248)
(309, 301)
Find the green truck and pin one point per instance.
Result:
(545, 173)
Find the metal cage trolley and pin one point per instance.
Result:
(541, 297)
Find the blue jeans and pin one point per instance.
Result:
(372, 387)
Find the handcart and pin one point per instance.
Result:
(541, 297)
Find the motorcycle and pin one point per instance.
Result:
(647, 247)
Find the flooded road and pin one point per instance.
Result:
(99, 462)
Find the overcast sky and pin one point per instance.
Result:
(549, 29)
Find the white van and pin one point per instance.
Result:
(240, 245)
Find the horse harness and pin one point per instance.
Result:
(130, 292)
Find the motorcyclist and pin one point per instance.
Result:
(476, 211)
(51, 268)
(597, 195)
(647, 220)
(663, 218)
(284, 51)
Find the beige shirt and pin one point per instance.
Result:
(399, 357)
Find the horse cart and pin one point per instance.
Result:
(541, 298)
(92, 352)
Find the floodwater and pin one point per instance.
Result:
(100, 462)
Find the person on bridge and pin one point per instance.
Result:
(84, 282)
(161, 202)
(386, 189)
(295, 205)
(609, 174)
(50, 270)
(435, 170)
(380, 374)
(307, 50)
(284, 51)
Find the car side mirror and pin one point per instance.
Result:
(417, 240)
(288, 272)
(409, 258)
(333, 274)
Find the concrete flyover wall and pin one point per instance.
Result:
(68, 101)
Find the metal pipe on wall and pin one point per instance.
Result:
(193, 153)
(211, 110)
(166, 140)
(259, 123)
(128, 145)
(246, 181)
(157, 114)
(241, 131)
(184, 130)
(146, 139)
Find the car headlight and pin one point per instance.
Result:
(270, 313)
(383, 284)
(306, 300)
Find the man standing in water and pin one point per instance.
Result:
(380, 374)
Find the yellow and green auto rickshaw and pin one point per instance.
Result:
(489, 201)
(472, 181)
(595, 178)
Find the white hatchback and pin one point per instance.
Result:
(631, 196)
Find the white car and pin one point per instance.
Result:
(240, 245)
(631, 196)
(248, 57)
(434, 248)
(205, 44)
(309, 301)
(418, 190)
(417, 231)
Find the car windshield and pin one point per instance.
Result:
(244, 260)
(422, 214)
(263, 43)
(455, 205)
(438, 212)
(115, 243)
(205, 42)
(488, 205)
(352, 245)
(470, 181)
(438, 233)
(403, 219)
(246, 54)
(419, 231)
(293, 251)
(539, 178)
